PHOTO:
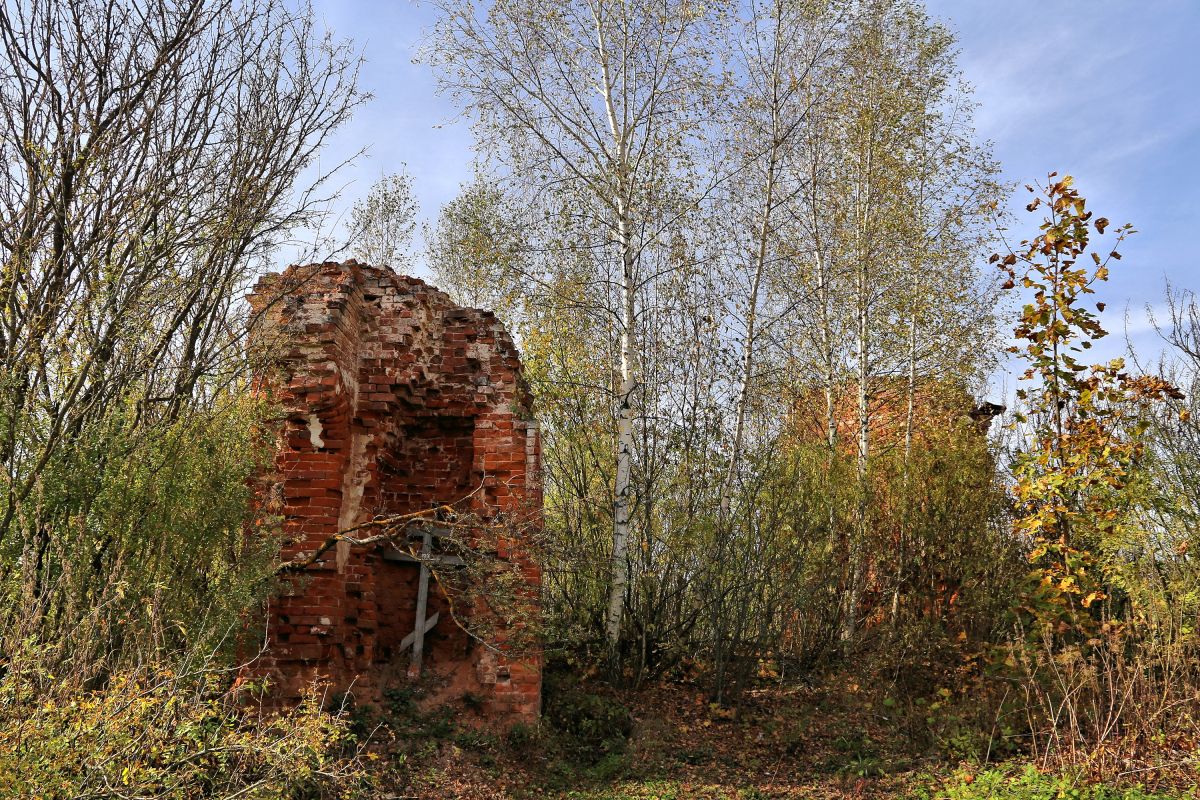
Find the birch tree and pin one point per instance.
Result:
(877, 121)
(946, 304)
(382, 223)
(777, 52)
(596, 101)
(892, 220)
(476, 250)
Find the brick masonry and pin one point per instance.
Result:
(396, 400)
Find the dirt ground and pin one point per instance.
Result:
(833, 742)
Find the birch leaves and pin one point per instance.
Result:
(747, 203)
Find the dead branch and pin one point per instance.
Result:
(391, 530)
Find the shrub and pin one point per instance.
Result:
(158, 734)
(521, 737)
(146, 550)
(597, 723)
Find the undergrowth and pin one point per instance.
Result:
(158, 734)
(1030, 784)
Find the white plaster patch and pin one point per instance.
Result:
(314, 431)
(347, 379)
(353, 485)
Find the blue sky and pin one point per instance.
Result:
(1106, 90)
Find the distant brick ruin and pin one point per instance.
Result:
(396, 401)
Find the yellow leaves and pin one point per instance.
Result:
(719, 712)
(1093, 597)
(119, 732)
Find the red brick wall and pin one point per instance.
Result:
(396, 400)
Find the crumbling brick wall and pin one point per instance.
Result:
(396, 401)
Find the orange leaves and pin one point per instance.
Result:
(1072, 481)
(1062, 186)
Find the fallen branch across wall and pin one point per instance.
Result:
(391, 530)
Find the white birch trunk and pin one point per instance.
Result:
(827, 345)
(621, 489)
(909, 414)
(863, 355)
(619, 580)
(850, 620)
(743, 401)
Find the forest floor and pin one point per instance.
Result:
(783, 744)
(829, 742)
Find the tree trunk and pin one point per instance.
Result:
(853, 591)
(619, 580)
(863, 355)
(621, 488)
(909, 413)
(743, 401)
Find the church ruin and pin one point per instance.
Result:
(397, 402)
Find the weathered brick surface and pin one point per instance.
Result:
(397, 400)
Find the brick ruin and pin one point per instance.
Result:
(396, 401)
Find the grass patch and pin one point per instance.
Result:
(1030, 784)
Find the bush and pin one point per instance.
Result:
(145, 547)
(158, 734)
(596, 723)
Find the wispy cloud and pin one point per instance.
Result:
(1098, 89)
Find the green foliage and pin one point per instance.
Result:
(475, 251)
(941, 517)
(609, 766)
(158, 733)
(403, 714)
(143, 540)
(594, 724)
(856, 757)
(127, 439)
(382, 223)
(520, 737)
(1030, 784)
